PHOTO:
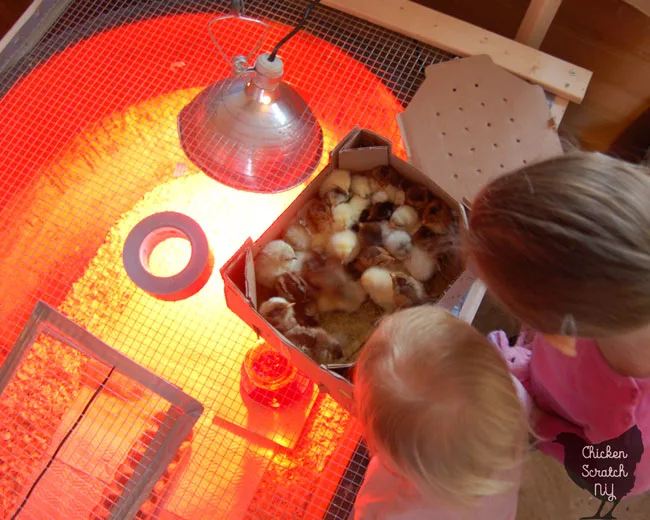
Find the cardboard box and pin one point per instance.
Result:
(361, 150)
(459, 145)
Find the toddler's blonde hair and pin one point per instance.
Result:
(565, 244)
(438, 404)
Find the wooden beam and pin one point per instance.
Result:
(472, 302)
(29, 29)
(641, 5)
(463, 39)
(538, 19)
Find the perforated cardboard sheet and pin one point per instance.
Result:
(471, 121)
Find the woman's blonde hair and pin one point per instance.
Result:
(565, 244)
(438, 404)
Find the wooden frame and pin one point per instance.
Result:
(536, 22)
(565, 81)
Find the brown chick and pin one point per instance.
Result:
(378, 212)
(370, 234)
(427, 240)
(386, 175)
(417, 196)
(294, 288)
(279, 313)
(437, 217)
(373, 256)
(319, 216)
(408, 291)
(323, 272)
(317, 342)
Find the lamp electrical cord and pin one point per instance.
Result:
(295, 30)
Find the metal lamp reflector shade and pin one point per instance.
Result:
(252, 133)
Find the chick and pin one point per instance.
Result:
(276, 258)
(360, 186)
(373, 256)
(347, 214)
(336, 187)
(370, 234)
(317, 342)
(345, 246)
(405, 218)
(379, 196)
(294, 288)
(319, 241)
(399, 244)
(378, 283)
(279, 313)
(298, 237)
(378, 212)
(408, 292)
(325, 273)
(427, 240)
(437, 216)
(347, 298)
(397, 197)
(318, 216)
(420, 264)
(386, 230)
(417, 196)
(386, 175)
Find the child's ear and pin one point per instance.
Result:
(565, 344)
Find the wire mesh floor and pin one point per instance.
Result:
(90, 147)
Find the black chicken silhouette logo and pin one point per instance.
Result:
(606, 469)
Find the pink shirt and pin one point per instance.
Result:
(385, 496)
(585, 396)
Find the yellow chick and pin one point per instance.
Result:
(378, 283)
(360, 186)
(345, 246)
(420, 264)
(276, 258)
(347, 214)
(405, 218)
(336, 187)
(298, 237)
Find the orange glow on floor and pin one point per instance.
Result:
(79, 186)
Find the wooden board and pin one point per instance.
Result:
(463, 39)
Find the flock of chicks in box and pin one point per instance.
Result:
(370, 239)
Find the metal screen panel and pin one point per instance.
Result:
(90, 147)
(61, 439)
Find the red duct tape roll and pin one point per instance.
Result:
(144, 238)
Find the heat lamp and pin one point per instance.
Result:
(252, 131)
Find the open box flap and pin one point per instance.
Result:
(471, 121)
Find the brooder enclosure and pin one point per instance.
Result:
(91, 94)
